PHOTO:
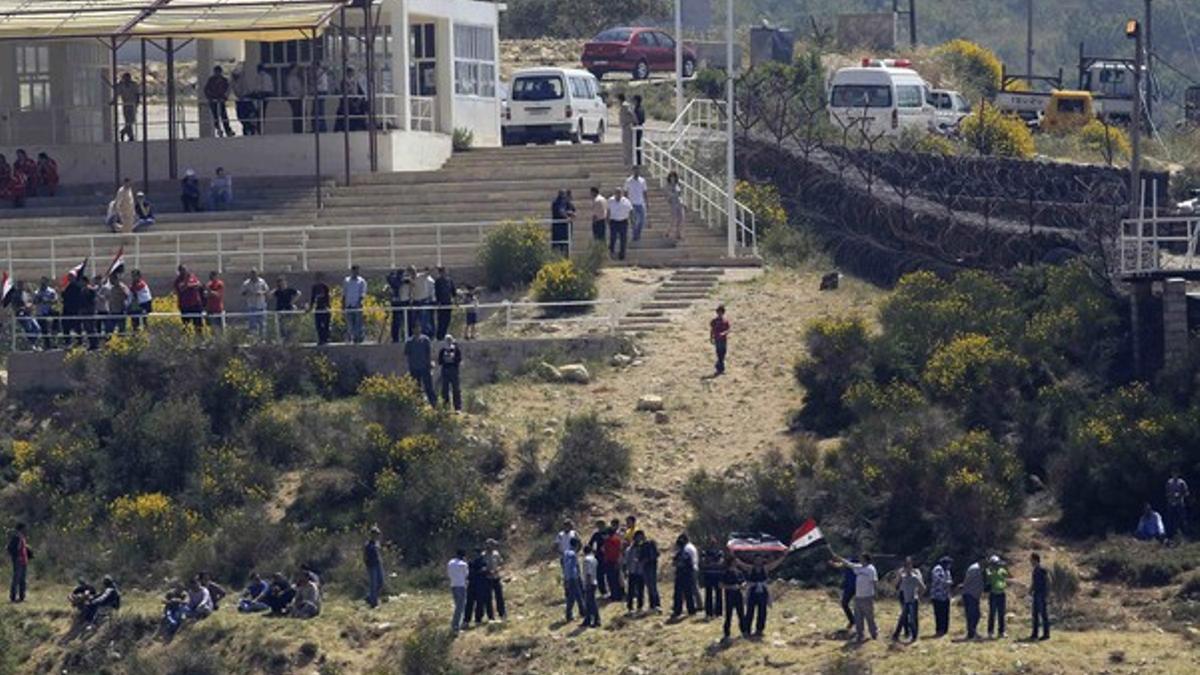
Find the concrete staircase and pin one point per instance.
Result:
(679, 293)
(482, 185)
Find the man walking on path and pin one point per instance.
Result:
(457, 570)
(972, 591)
(1039, 587)
(997, 583)
(619, 211)
(865, 578)
(941, 582)
(444, 293)
(719, 329)
(1177, 496)
(354, 293)
(216, 91)
(418, 351)
(599, 216)
(635, 189)
(449, 359)
(494, 582)
(373, 561)
(20, 554)
(911, 586)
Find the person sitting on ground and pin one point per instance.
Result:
(174, 611)
(81, 595)
(1150, 525)
(28, 169)
(109, 600)
(189, 191)
(215, 590)
(47, 170)
(280, 595)
(143, 211)
(220, 190)
(199, 602)
(307, 604)
(254, 597)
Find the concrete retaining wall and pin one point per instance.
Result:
(483, 361)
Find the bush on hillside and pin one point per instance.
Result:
(979, 376)
(512, 254)
(1112, 143)
(395, 403)
(1140, 563)
(426, 650)
(991, 132)
(791, 246)
(976, 69)
(838, 356)
(563, 281)
(589, 458)
(763, 199)
(154, 447)
(148, 526)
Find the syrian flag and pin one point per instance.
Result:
(806, 535)
(118, 263)
(74, 273)
(6, 290)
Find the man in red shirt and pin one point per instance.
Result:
(214, 301)
(719, 336)
(19, 552)
(190, 296)
(612, 563)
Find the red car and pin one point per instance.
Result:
(639, 51)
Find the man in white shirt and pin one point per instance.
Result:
(599, 215)
(619, 210)
(264, 91)
(319, 86)
(865, 578)
(635, 189)
(254, 293)
(199, 605)
(424, 289)
(457, 569)
(354, 292)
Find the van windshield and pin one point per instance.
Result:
(538, 88)
(861, 96)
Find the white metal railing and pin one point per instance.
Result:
(64, 332)
(422, 113)
(701, 120)
(394, 244)
(1159, 244)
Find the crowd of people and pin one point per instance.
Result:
(27, 177)
(617, 217)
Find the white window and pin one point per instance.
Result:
(474, 61)
(422, 73)
(33, 76)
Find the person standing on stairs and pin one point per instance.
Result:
(628, 120)
(599, 216)
(675, 200)
(719, 329)
(639, 118)
(635, 189)
(619, 210)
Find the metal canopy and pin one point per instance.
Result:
(262, 20)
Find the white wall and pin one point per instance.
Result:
(279, 155)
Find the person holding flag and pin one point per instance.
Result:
(189, 293)
(14, 294)
(864, 593)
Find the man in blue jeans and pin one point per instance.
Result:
(373, 561)
(635, 190)
(1039, 588)
(972, 591)
(572, 583)
(457, 569)
(354, 292)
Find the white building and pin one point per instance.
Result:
(55, 95)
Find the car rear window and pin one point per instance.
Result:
(537, 88)
(861, 96)
(614, 35)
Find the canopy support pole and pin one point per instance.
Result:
(370, 53)
(172, 151)
(345, 107)
(145, 127)
(116, 114)
(318, 115)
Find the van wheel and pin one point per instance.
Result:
(641, 71)
(577, 135)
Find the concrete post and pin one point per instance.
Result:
(1175, 323)
(204, 67)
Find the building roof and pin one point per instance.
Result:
(241, 19)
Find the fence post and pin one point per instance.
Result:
(92, 247)
(507, 318)
(262, 254)
(178, 251)
(11, 273)
(220, 255)
(392, 244)
(53, 259)
(304, 250)
(438, 236)
(349, 248)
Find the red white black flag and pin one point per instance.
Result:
(6, 290)
(74, 273)
(118, 263)
(806, 535)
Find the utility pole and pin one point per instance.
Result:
(730, 159)
(678, 58)
(1029, 38)
(912, 23)
(1133, 29)
(1149, 40)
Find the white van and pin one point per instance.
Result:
(552, 104)
(950, 108)
(882, 98)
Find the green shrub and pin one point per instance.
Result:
(154, 447)
(838, 357)
(979, 376)
(1064, 583)
(589, 458)
(512, 254)
(426, 650)
(148, 526)
(395, 403)
(462, 140)
(562, 281)
(1112, 143)
(277, 438)
(991, 132)
(976, 69)
(1139, 563)
(763, 199)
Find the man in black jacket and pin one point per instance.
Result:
(450, 358)
(418, 352)
(444, 293)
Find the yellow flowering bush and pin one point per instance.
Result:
(763, 199)
(976, 69)
(992, 132)
(247, 387)
(394, 403)
(563, 281)
(512, 254)
(152, 523)
(1109, 141)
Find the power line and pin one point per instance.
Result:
(1188, 33)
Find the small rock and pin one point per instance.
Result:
(548, 431)
(575, 373)
(650, 403)
(661, 417)
(620, 360)
(551, 328)
(548, 372)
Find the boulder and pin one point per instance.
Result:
(621, 360)
(575, 373)
(650, 403)
(548, 372)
